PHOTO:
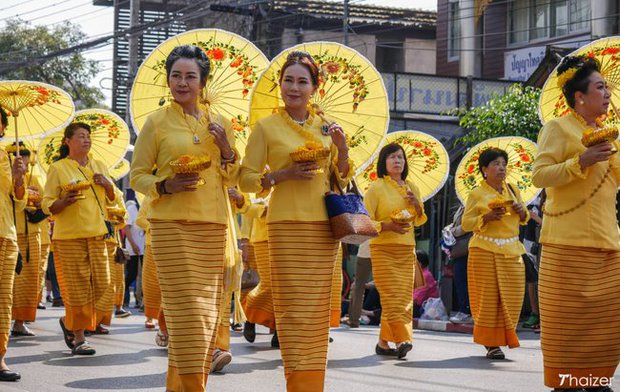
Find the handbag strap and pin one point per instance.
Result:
(25, 220)
(94, 193)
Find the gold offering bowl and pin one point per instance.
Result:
(34, 198)
(607, 134)
(115, 215)
(303, 154)
(78, 187)
(188, 164)
(403, 216)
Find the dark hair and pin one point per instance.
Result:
(304, 59)
(69, 132)
(23, 150)
(5, 117)
(422, 257)
(489, 155)
(383, 155)
(585, 66)
(191, 52)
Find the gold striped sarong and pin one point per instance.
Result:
(496, 289)
(8, 259)
(119, 285)
(258, 304)
(26, 293)
(579, 313)
(251, 264)
(302, 256)
(222, 340)
(83, 273)
(393, 272)
(105, 305)
(151, 293)
(45, 252)
(336, 294)
(190, 267)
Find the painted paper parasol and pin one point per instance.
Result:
(427, 159)
(350, 92)
(235, 66)
(37, 109)
(521, 153)
(109, 138)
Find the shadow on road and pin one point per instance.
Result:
(121, 383)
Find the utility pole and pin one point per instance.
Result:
(132, 65)
(345, 23)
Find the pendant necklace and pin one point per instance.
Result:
(196, 138)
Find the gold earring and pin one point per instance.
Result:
(581, 102)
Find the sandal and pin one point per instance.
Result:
(69, 336)
(495, 353)
(403, 349)
(161, 339)
(83, 348)
(149, 324)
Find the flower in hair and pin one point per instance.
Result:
(566, 76)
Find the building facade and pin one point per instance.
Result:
(509, 39)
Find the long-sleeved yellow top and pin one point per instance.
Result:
(142, 219)
(165, 136)
(270, 143)
(381, 199)
(556, 168)
(85, 218)
(20, 216)
(7, 225)
(500, 236)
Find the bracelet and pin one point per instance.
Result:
(229, 160)
(161, 188)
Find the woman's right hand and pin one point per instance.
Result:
(495, 215)
(400, 228)
(300, 171)
(597, 153)
(182, 183)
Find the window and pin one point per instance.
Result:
(454, 30)
(530, 20)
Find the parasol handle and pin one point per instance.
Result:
(17, 154)
(320, 113)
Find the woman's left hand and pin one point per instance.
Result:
(219, 135)
(518, 208)
(101, 180)
(338, 137)
(413, 201)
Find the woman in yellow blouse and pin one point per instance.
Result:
(79, 235)
(581, 243)
(12, 191)
(188, 221)
(393, 251)
(495, 271)
(302, 250)
(26, 288)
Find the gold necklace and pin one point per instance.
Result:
(196, 138)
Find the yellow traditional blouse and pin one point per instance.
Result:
(142, 219)
(270, 143)
(166, 135)
(556, 168)
(497, 236)
(7, 225)
(257, 217)
(381, 199)
(85, 218)
(20, 216)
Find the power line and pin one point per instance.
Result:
(36, 10)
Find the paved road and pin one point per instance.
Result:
(128, 360)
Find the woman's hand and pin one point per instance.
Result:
(518, 208)
(338, 138)
(182, 183)
(236, 197)
(597, 153)
(400, 228)
(219, 135)
(414, 202)
(101, 180)
(495, 215)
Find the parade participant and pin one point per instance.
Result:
(187, 220)
(134, 243)
(151, 293)
(12, 195)
(302, 250)
(393, 251)
(336, 293)
(26, 287)
(258, 304)
(580, 239)
(495, 271)
(80, 254)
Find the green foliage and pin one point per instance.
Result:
(19, 40)
(514, 113)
